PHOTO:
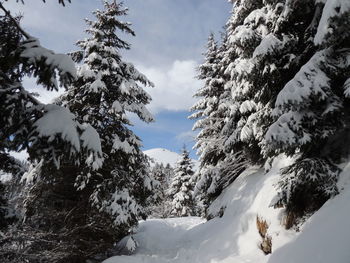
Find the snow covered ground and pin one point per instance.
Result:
(234, 237)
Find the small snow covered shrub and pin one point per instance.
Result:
(266, 243)
(305, 186)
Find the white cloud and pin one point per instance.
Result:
(160, 41)
(173, 91)
(57, 27)
(174, 87)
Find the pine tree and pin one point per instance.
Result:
(220, 164)
(286, 75)
(26, 123)
(181, 188)
(99, 206)
(312, 117)
(51, 134)
(275, 49)
(162, 175)
(106, 89)
(210, 120)
(207, 107)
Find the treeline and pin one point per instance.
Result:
(276, 83)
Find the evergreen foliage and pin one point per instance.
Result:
(26, 123)
(47, 132)
(312, 117)
(285, 70)
(181, 188)
(220, 164)
(9, 190)
(3, 205)
(106, 89)
(89, 209)
(163, 176)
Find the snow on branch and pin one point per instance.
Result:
(333, 9)
(59, 122)
(38, 56)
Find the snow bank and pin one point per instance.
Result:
(326, 235)
(234, 237)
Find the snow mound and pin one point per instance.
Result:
(326, 235)
(164, 156)
(159, 240)
(234, 237)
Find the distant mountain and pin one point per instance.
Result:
(164, 156)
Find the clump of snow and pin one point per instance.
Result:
(247, 106)
(58, 120)
(267, 45)
(90, 140)
(5, 177)
(22, 155)
(33, 171)
(97, 86)
(309, 80)
(122, 145)
(131, 245)
(332, 9)
(33, 51)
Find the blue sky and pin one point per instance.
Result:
(170, 38)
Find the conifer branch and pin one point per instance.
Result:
(7, 13)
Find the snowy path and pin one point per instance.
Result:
(160, 240)
(231, 238)
(234, 237)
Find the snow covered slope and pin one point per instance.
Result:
(234, 237)
(164, 156)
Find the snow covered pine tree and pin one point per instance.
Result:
(218, 167)
(287, 69)
(312, 109)
(181, 188)
(210, 122)
(48, 132)
(162, 175)
(107, 88)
